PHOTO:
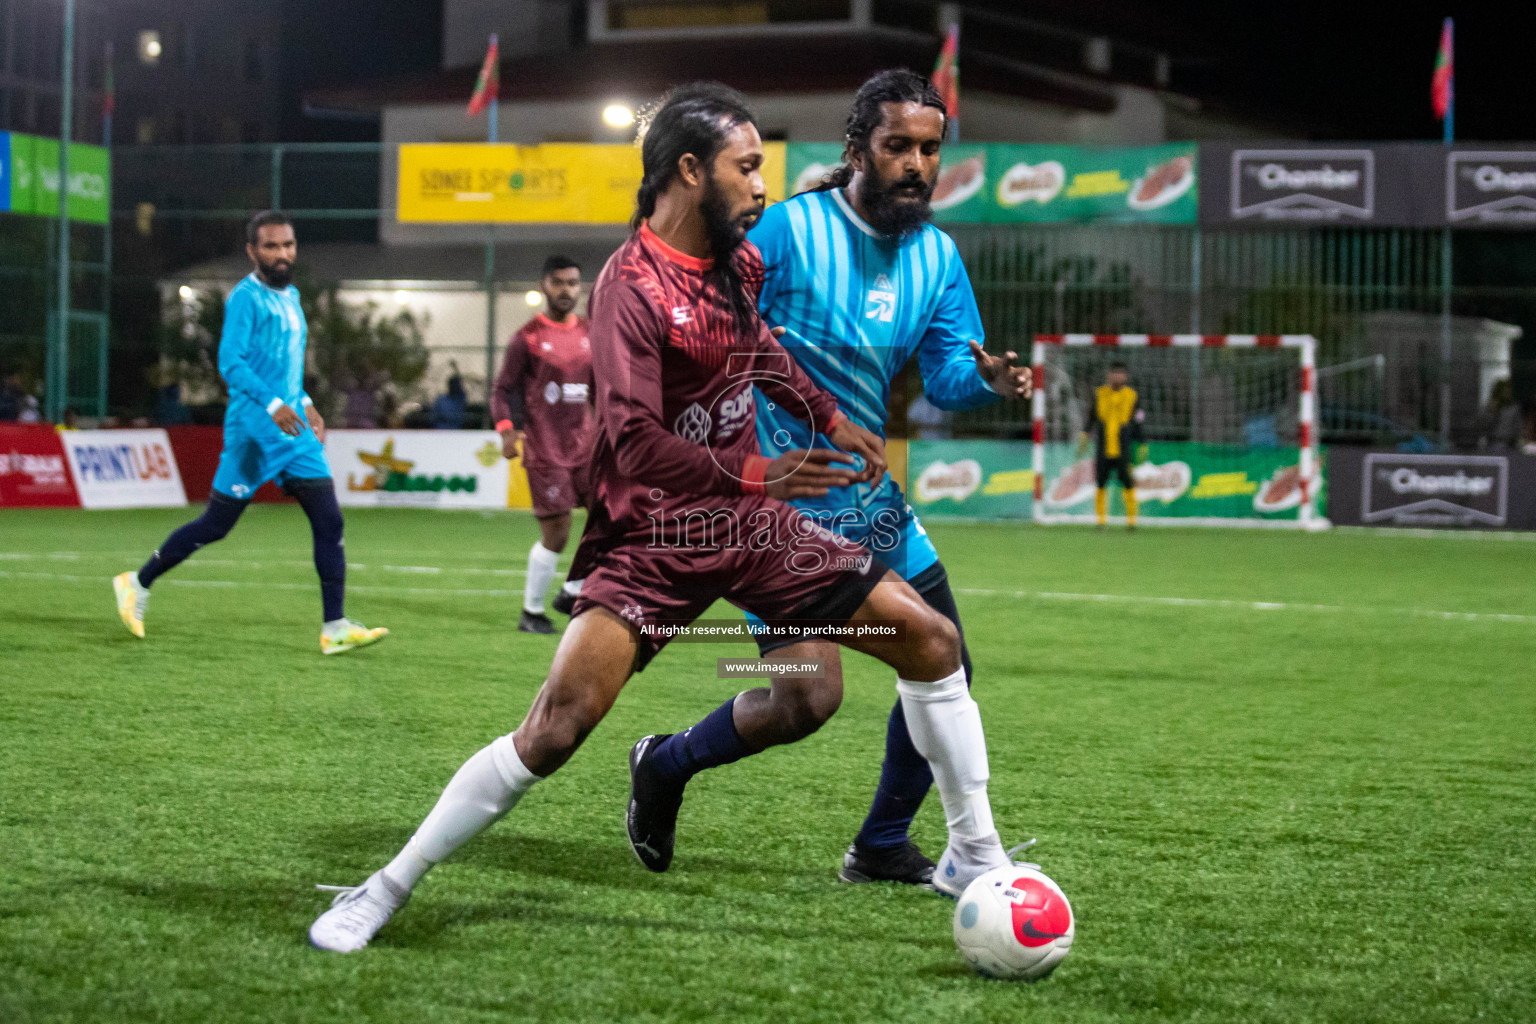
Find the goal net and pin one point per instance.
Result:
(1227, 420)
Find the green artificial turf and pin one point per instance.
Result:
(1307, 794)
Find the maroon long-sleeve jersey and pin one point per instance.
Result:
(544, 389)
(676, 418)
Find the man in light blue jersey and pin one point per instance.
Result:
(859, 281)
(261, 358)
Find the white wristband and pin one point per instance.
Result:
(309, 403)
(274, 405)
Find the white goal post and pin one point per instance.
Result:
(1236, 429)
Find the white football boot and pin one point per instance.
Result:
(132, 601)
(356, 915)
(966, 860)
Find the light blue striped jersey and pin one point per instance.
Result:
(856, 305)
(261, 355)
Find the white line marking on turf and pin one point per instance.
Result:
(1258, 606)
(1039, 595)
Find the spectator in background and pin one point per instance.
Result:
(170, 411)
(1504, 421)
(448, 410)
(926, 420)
(11, 397)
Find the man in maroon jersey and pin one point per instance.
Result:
(542, 404)
(688, 511)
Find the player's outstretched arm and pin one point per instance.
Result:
(953, 378)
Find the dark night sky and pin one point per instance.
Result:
(1346, 69)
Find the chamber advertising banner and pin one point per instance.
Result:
(1004, 183)
(34, 472)
(1390, 184)
(1389, 488)
(124, 468)
(970, 479)
(1182, 480)
(418, 468)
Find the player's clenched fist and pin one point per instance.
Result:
(511, 443)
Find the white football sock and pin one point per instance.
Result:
(572, 587)
(484, 789)
(541, 569)
(945, 726)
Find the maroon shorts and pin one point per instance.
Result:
(556, 490)
(818, 576)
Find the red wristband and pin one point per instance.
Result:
(753, 474)
(503, 425)
(837, 417)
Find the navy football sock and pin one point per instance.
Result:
(709, 744)
(214, 524)
(904, 781)
(318, 500)
(905, 775)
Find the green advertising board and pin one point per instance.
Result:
(971, 479)
(34, 178)
(1008, 183)
(1183, 480)
(1179, 480)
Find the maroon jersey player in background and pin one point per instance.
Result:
(673, 326)
(542, 404)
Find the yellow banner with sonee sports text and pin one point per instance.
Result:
(556, 183)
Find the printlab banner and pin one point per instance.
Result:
(29, 178)
(1183, 480)
(556, 183)
(124, 468)
(1450, 491)
(1000, 183)
(418, 468)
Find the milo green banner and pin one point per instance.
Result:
(1007, 183)
(33, 170)
(973, 479)
(1180, 480)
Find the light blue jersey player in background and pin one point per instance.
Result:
(860, 281)
(261, 358)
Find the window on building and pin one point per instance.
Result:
(150, 47)
(252, 61)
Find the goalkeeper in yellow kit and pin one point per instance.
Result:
(1114, 425)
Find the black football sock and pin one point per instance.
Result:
(709, 744)
(213, 525)
(318, 500)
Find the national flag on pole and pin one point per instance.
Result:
(488, 83)
(946, 78)
(108, 86)
(1443, 86)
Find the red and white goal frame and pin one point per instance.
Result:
(1305, 347)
